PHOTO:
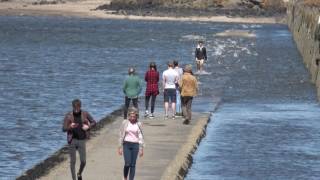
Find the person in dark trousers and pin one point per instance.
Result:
(189, 89)
(131, 88)
(200, 55)
(131, 143)
(152, 89)
(77, 123)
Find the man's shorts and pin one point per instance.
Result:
(169, 94)
(200, 61)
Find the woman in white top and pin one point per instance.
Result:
(131, 143)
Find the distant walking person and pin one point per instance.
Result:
(189, 88)
(169, 80)
(131, 143)
(131, 89)
(76, 124)
(200, 55)
(178, 98)
(152, 88)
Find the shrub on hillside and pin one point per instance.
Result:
(274, 4)
(198, 4)
(133, 3)
(312, 3)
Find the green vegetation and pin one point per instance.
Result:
(315, 3)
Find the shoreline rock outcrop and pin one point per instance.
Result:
(233, 8)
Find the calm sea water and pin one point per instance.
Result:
(267, 126)
(45, 62)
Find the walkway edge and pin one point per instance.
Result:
(43, 167)
(179, 166)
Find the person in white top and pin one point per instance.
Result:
(169, 80)
(178, 98)
(131, 143)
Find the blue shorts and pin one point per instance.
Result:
(169, 94)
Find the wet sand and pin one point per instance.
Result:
(86, 9)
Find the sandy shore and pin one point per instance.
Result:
(86, 9)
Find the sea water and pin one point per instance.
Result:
(46, 62)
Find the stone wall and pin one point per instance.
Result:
(304, 24)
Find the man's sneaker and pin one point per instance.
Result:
(79, 176)
(146, 114)
(173, 117)
(166, 117)
(186, 122)
(151, 116)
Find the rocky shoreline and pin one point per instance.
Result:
(185, 12)
(247, 9)
(237, 8)
(105, 9)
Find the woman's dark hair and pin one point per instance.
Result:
(153, 65)
(175, 63)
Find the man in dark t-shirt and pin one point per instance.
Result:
(76, 124)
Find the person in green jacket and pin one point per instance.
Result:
(131, 88)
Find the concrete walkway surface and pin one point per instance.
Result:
(169, 146)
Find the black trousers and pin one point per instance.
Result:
(186, 102)
(153, 101)
(127, 104)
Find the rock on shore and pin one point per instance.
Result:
(242, 8)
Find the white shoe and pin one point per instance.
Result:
(151, 116)
(146, 114)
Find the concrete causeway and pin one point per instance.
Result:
(167, 155)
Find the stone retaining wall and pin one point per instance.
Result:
(304, 24)
(179, 166)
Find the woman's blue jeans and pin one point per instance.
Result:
(130, 154)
